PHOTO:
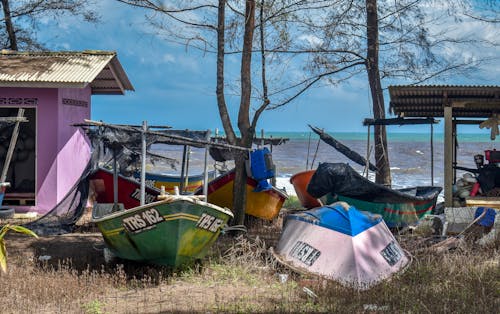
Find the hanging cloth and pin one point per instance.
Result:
(492, 123)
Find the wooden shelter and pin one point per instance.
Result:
(54, 89)
(456, 104)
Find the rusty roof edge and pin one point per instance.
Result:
(7, 52)
(120, 72)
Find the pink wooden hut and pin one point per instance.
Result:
(55, 89)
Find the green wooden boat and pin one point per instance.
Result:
(174, 231)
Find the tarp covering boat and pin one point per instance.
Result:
(397, 207)
(341, 243)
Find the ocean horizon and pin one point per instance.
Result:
(391, 136)
(410, 155)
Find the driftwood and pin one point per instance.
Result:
(470, 234)
(346, 151)
(170, 136)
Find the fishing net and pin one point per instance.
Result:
(63, 217)
(112, 146)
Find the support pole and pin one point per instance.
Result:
(115, 180)
(205, 170)
(186, 176)
(143, 162)
(448, 156)
(432, 154)
(308, 149)
(367, 153)
(183, 167)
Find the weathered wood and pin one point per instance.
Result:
(493, 202)
(179, 140)
(346, 151)
(13, 119)
(399, 121)
(448, 156)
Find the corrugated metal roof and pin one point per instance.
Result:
(429, 101)
(100, 69)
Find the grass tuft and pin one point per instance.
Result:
(241, 276)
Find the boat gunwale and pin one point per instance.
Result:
(170, 199)
(228, 176)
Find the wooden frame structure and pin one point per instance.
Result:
(456, 104)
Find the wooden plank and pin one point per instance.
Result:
(493, 202)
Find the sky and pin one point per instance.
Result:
(175, 86)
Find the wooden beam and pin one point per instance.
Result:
(117, 79)
(448, 156)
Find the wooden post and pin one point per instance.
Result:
(115, 180)
(183, 167)
(367, 153)
(308, 148)
(448, 155)
(205, 171)
(186, 177)
(432, 153)
(143, 162)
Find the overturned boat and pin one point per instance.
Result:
(398, 207)
(340, 243)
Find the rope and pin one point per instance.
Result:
(234, 228)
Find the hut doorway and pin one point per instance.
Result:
(22, 169)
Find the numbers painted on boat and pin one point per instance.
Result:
(148, 198)
(209, 222)
(143, 221)
(305, 253)
(392, 253)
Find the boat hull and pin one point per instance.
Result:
(398, 207)
(300, 181)
(394, 214)
(158, 180)
(264, 204)
(356, 261)
(171, 232)
(129, 192)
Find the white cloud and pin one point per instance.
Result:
(168, 58)
(312, 40)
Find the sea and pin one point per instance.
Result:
(410, 158)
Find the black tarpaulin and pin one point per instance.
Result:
(341, 179)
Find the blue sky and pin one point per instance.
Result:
(176, 86)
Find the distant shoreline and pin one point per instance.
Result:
(391, 136)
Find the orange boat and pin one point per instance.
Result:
(265, 204)
(300, 181)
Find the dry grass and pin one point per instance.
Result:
(240, 276)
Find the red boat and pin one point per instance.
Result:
(129, 191)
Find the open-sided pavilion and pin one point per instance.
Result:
(456, 104)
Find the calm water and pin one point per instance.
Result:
(409, 154)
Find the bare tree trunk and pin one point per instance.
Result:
(247, 131)
(383, 175)
(221, 101)
(8, 25)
